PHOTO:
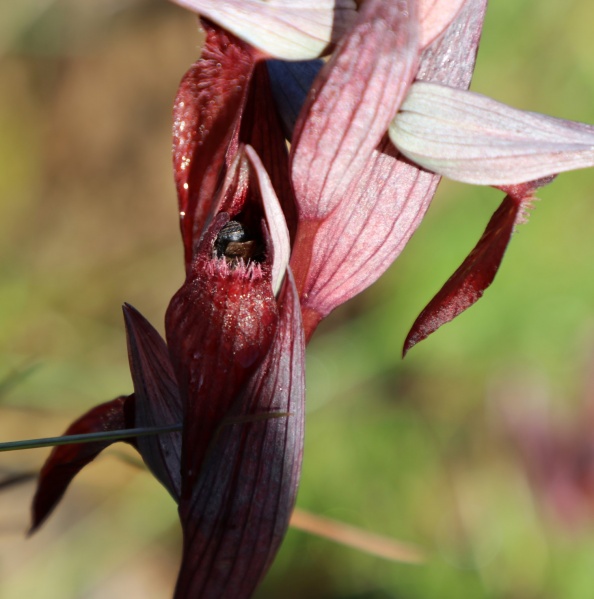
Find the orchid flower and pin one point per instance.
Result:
(274, 240)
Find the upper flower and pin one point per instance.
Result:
(275, 240)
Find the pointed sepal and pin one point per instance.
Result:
(66, 461)
(158, 401)
(467, 285)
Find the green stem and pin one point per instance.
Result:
(88, 437)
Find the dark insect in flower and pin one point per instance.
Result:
(233, 244)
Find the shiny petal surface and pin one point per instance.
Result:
(206, 110)
(243, 498)
(435, 16)
(471, 138)
(351, 104)
(66, 461)
(385, 203)
(219, 328)
(287, 29)
(158, 402)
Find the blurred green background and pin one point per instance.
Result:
(423, 450)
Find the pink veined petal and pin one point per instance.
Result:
(467, 285)
(277, 225)
(240, 506)
(435, 16)
(351, 103)
(206, 110)
(66, 461)
(474, 139)
(287, 29)
(157, 399)
(387, 200)
(356, 244)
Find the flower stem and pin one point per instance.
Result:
(88, 437)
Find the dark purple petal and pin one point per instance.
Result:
(158, 402)
(291, 82)
(219, 328)
(239, 509)
(66, 461)
(206, 110)
(351, 104)
(467, 285)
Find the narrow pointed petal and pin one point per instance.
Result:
(291, 82)
(158, 402)
(471, 138)
(435, 16)
(66, 461)
(277, 225)
(219, 328)
(206, 110)
(351, 104)
(386, 202)
(287, 29)
(242, 501)
(467, 285)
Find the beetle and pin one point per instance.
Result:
(232, 243)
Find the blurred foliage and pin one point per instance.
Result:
(415, 449)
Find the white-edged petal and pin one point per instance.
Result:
(277, 225)
(287, 29)
(471, 138)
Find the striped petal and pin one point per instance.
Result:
(471, 138)
(287, 29)
(238, 511)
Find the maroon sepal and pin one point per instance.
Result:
(238, 510)
(207, 107)
(65, 461)
(158, 402)
(219, 325)
(262, 129)
(467, 285)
